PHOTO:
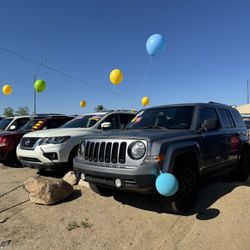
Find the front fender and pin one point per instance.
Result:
(177, 149)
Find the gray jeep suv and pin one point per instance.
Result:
(190, 141)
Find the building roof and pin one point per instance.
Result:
(244, 109)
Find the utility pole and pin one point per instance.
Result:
(39, 66)
(247, 93)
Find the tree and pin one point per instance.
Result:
(8, 112)
(99, 108)
(22, 111)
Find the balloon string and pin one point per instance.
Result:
(145, 74)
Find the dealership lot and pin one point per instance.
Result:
(87, 220)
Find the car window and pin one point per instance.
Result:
(5, 122)
(86, 121)
(114, 120)
(226, 118)
(125, 119)
(55, 123)
(247, 122)
(207, 114)
(20, 122)
(237, 118)
(173, 117)
(32, 125)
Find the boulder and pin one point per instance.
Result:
(47, 191)
(82, 183)
(71, 178)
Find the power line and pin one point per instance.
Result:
(67, 75)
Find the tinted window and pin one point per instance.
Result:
(32, 125)
(237, 118)
(86, 121)
(227, 120)
(173, 117)
(20, 122)
(208, 114)
(114, 120)
(55, 123)
(4, 123)
(125, 119)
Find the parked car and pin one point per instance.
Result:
(10, 139)
(13, 123)
(189, 141)
(55, 149)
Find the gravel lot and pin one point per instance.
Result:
(220, 219)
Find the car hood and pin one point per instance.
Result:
(10, 133)
(147, 134)
(62, 132)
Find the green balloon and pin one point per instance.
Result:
(40, 85)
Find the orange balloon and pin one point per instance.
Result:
(83, 104)
(7, 89)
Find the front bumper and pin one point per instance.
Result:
(62, 166)
(140, 179)
(36, 158)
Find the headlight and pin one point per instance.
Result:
(54, 140)
(81, 149)
(136, 150)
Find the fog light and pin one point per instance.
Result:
(51, 156)
(118, 183)
(83, 176)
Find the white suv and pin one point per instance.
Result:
(13, 123)
(55, 149)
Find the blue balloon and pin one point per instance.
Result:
(166, 184)
(155, 44)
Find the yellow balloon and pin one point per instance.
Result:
(7, 89)
(145, 101)
(83, 104)
(116, 76)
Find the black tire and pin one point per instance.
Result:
(103, 191)
(183, 200)
(241, 173)
(72, 155)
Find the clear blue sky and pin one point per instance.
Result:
(207, 54)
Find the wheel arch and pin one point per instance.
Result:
(181, 153)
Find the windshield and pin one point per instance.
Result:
(4, 123)
(166, 118)
(86, 121)
(32, 125)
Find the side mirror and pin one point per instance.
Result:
(12, 127)
(209, 124)
(106, 125)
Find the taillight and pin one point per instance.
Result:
(3, 141)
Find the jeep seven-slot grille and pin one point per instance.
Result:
(109, 152)
(28, 142)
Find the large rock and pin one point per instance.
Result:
(82, 183)
(71, 178)
(47, 191)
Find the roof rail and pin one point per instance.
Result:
(116, 110)
(217, 103)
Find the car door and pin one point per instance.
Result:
(212, 142)
(232, 134)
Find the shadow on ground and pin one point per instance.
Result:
(54, 174)
(208, 194)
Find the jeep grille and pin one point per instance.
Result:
(108, 152)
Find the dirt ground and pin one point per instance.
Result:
(220, 219)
